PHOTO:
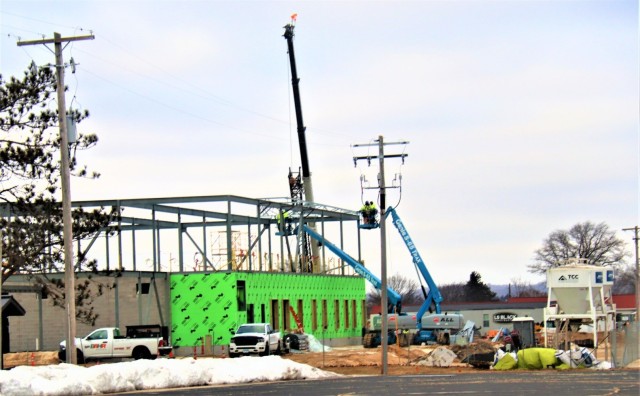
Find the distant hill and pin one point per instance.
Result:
(503, 290)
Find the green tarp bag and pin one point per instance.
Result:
(537, 358)
(506, 363)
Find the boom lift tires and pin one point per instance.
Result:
(369, 341)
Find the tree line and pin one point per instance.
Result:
(596, 244)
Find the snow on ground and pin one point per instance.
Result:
(315, 345)
(67, 379)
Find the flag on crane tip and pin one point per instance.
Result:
(294, 17)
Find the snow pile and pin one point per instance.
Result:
(67, 379)
(315, 345)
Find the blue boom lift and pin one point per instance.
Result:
(411, 328)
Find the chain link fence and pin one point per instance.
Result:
(625, 344)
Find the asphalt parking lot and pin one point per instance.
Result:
(575, 382)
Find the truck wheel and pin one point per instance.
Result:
(266, 351)
(233, 355)
(279, 350)
(79, 357)
(292, 339)
(141, 352)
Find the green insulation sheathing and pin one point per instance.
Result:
(214, 304)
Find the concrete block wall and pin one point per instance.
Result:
(132, 308)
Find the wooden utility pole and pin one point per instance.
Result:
(383, 258)
(636, 229)
(384, 302)
(1, 315)
(65, 176)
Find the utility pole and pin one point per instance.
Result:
(65, 176)
(384, 302)
(635, 229)
(1, 315)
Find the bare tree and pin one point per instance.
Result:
(625, 281)
(452, 292)
(522, 288)
(594, 242)
(408, 289)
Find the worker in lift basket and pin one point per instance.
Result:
(365, 212)
(286, 225)
(373, 211)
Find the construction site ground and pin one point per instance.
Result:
(352, 360)
(356, 360)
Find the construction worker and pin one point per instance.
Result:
(365, 212)
(287, 221)
(373, 211)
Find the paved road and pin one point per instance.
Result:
(512, 383)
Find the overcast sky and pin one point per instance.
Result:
(522, 116)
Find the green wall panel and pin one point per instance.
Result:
(203, 304)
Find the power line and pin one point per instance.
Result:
(196, 90)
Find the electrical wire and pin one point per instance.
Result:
(197, 89)
(197, 116)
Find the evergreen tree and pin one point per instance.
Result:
(477, 291)
(31, 221)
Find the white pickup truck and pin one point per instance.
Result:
(107, 343)
(257, 338)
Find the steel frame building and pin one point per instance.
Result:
(251, 250)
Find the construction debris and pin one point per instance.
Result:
(440, 357)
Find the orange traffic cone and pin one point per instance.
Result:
(32, 359)
(171, 355)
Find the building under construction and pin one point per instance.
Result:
(203, 265)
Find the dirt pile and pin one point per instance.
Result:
(475, 348)
(29, 359)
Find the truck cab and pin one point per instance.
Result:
(257, 338)
(97, 345)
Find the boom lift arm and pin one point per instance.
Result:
(395, 300)
(433, 297)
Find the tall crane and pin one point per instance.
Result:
(302, 187)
